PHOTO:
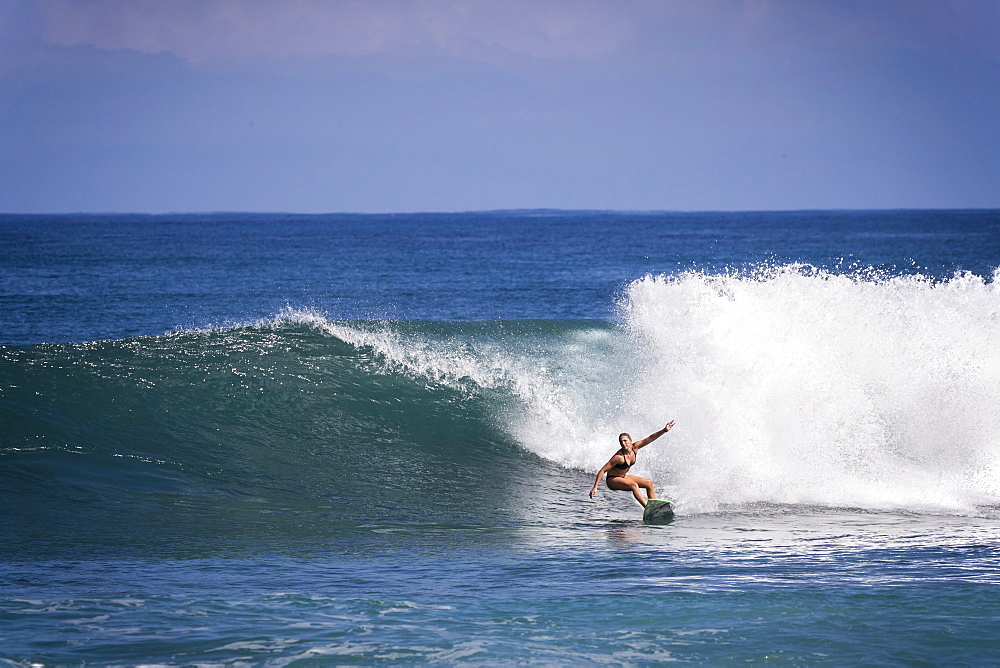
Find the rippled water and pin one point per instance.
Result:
(359, 439)
(803, 585)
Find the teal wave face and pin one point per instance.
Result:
(275, 430)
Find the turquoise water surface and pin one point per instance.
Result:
(263, 439)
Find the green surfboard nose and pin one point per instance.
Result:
(658, 511)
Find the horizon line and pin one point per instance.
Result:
(524, 210)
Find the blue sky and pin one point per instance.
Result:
(432, 105)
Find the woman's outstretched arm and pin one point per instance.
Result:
(655, 435)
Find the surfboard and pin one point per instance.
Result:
(658, 511)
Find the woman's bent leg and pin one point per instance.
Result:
(647, 485)
(629, 483)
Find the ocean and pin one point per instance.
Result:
(261, 439)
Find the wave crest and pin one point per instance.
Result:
(797, 385)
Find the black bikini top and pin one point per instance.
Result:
(625, 465)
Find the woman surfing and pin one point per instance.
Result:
(618, 466)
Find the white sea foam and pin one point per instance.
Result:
(800, 386)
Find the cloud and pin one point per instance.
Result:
(199, 30)
(493, 31)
